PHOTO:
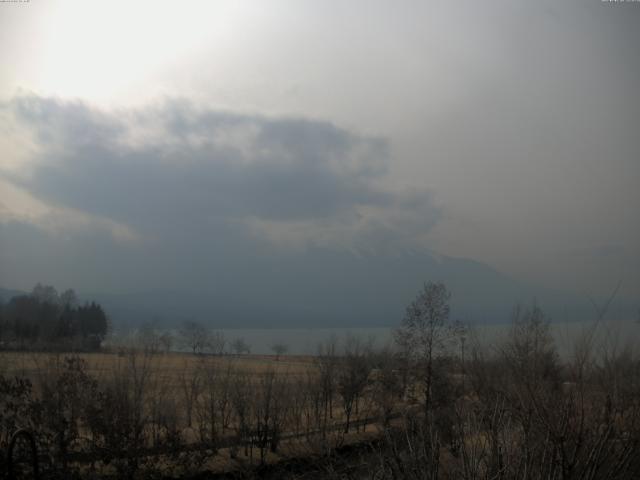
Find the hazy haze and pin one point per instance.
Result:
(195, 146)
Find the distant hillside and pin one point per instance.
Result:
(7, 294)
(346, 290)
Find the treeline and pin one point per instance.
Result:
(45, 320)
(191, 336)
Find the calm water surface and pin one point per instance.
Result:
(304, 341)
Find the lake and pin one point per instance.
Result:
(305, 341)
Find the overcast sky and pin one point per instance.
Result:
(140, 138)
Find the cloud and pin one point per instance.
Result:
(18, 206)
(174, 171)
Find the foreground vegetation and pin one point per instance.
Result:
(438, 405)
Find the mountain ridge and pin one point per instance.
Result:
(325, 288)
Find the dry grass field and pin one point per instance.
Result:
(242, 410)
(176, 377)
(172, 366)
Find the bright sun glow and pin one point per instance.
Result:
(102, 50)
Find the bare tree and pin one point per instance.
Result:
(352, 377)
(46, 294)
(279, 349)
(530, 349)
(148, 337)
(207, 404)
(194, 336)
(387, 385)
(120, 421)
(240, 397)
(425, 332)
(239, 346)
(327, 365)
(269, 411)
(68, 298)
(166, 341)
(190, 385)
(217, 343)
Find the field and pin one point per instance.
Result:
(517, 411)
(172, 365)
(188, 412)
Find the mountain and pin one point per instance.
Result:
(327, 288)
(324, 288)
(7, 294)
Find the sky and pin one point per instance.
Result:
(155, 145)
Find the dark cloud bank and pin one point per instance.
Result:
(239, 220)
